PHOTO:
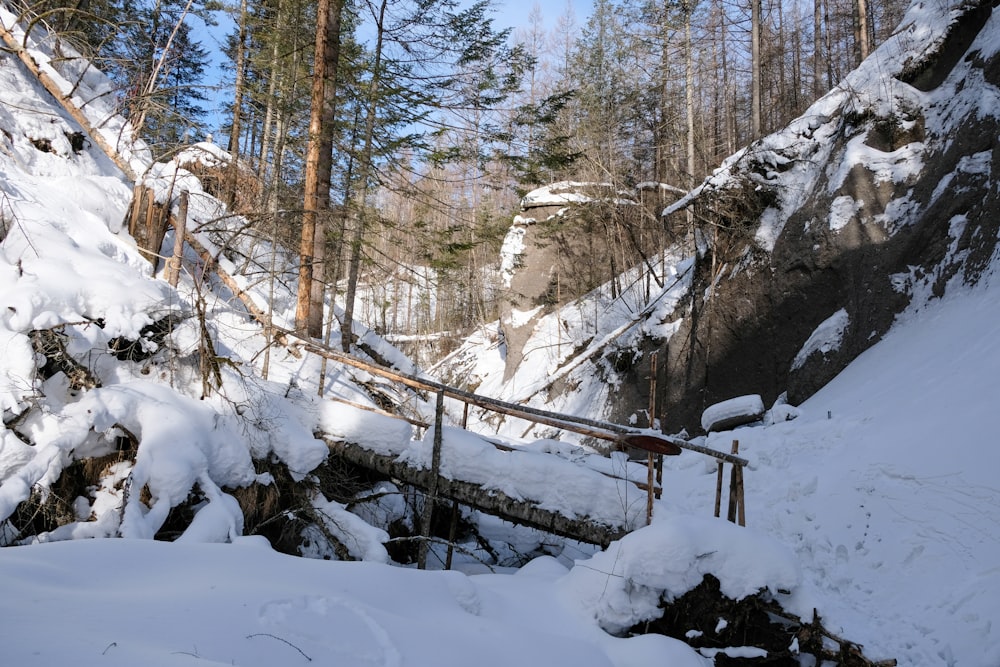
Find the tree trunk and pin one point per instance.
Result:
(689, 98)
(755, 77)
(309, 305)
(817, 48)
(862, 45)
(234, 134)
(827, 42)
(364, 176)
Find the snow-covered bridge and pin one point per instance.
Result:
(547, 484)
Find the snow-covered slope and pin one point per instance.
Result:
(885, 485)
(881, 201)
(876, 505)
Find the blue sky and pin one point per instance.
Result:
(514, 13)
(509, 13)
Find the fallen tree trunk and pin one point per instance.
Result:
(490, 501)
(64, 99)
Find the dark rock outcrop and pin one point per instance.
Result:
(896, 199)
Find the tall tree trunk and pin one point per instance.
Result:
(689, 93)
(829, 47)
(234, 134)
(861, 30)
(756, 128)
(266, 172)
(817, 48)
(364, 176)
(319, 162)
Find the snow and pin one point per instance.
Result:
(824, 339)
(245, 604)
(559, 194)
(623, 585)
(748, 408)
(877, 505)
(842, 211)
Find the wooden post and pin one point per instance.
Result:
(180, 225)
(659, 476)
(453, 528)
(651, 492)
(650, 486)
(431, 496)
(452, 532)
(740, 500)
(718, 489)
(733, 485)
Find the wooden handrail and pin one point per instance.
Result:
(582, 425)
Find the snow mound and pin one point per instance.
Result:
(625, 584)
(733, 412)
(825, 339)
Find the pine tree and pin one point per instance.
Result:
(160, 69)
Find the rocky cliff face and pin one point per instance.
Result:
(881, 196)
(569, 239)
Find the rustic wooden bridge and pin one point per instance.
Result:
(525, 510)
(149, 226)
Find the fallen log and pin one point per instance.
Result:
(64, 99)
(489, 501)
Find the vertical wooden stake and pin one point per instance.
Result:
(733, 493)
(651, 492)
(740, 501)
(659, 476)
(431, 496)
(452, 532)
(718, 489)
(180, 225)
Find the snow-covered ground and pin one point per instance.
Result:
(885, 485)
(882, 486)
(875, 502)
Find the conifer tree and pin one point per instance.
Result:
(160, 69)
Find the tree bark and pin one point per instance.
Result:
(234, 134)
(756, 128)
(863, 48)
(309, 304)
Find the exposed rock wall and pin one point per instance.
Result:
(897, 198)
(569, 239)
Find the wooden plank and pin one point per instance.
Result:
(649, 443)
(581, 425)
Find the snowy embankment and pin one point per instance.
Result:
(885, 486)
(891, 517)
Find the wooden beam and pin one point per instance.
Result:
(582, 425)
